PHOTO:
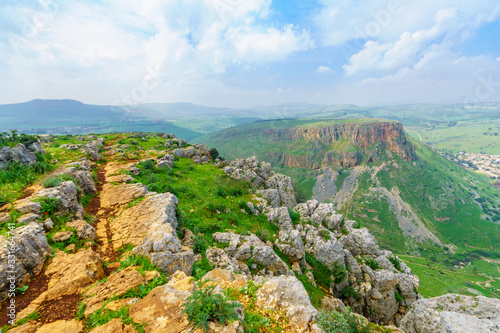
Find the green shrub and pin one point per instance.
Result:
(325, 235)
(221, 192)
(200, 244)
(55, 181)
(49, 205)
(204, 306)
(214, 153)
(341, 322)
(86, 199)
(372, 264)
(349, 291)
(243, 205)
(398, 296)
(214, 208)
(345, 232)
(294, 216)
(235, 192)
(395, 261)
(143, 290)
(339, 273)
(200, 268)
(356, 225)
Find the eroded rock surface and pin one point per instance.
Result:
(453, 313)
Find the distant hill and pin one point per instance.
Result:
(71, 116)
(411, 198)
(452, 127)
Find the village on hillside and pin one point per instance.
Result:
(486, 164)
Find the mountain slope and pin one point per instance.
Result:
(411, 198)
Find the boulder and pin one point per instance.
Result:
(67, 195)
(225, 279)
(19, 154)
(280, 217)
(81, 172)
(166, 161)
(272, 196)
(92, 148)
(28, 206)
(453, 313)
(284, 186)
(327, 250)
(27, 218)
(287, 294)
(30, 247)
(360, 241)
(36, 147)
(161, 309)
(246, 249)
(250, 170)
(290, 243)
(83, 229)
(62, 236)
(319, 214)
(5, 217)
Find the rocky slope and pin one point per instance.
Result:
(412, 199)
(129, 261)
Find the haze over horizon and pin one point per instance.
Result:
(235, 53)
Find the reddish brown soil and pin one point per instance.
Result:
(36, 287)
(61, 308)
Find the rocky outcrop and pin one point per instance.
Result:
(92, 149)
(287, 294)
(243, 250)
(259, 174)
(117, 284)
(343, 144)
(290, 243)
(81, 172)
(319, 214)
(67, 194)
(83, 229)
(19, 154)
(454, 314)
(151, 225)
(22, 256)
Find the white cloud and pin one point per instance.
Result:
(401, 53)
(439, 77)
(271, 44)
(323, 70)
(108, 48)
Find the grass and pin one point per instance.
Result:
(15, 176)
(55, 181)
(201, 207)
(470, 136)
(32, 316)
(438, 279)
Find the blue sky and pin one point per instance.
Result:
(239, 53)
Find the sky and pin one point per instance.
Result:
(241, 53)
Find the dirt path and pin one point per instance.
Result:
(65, 307)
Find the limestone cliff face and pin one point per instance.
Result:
(368, 139)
